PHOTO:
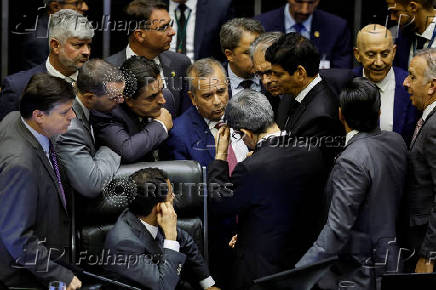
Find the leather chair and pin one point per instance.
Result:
(96, 217)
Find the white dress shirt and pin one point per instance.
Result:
(190, 25)
(290, 22)
(42, 140)
(428, 110)
(55, 73)
(235, 82)
(350, 135)
(300, 97)
(387, 94)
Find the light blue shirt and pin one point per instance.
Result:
(290, 22)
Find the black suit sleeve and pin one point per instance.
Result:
(8, 98)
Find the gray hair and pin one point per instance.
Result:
(249, 110)
(265, 39)
(68, 23)
(429, 54)
(94, 76)
(203, 68)
(232, 30)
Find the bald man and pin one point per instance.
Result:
(375, 51)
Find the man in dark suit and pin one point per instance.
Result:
(416, 19)
(136, 128)
(375, 51)
(33, 44)
(151, 38)
(236, 37)
(310, 108)
(421, 182)
(35, 207)
(274, 229)
(366, 186)
(147, 231)
(197, 33)
(99, 87)
(327, 32)
(70, 37)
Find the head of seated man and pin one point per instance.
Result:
(250, 115)
(208, 88)
(144, 87)
(262, 67)
(301, 10)
(415, 15)
(236, 36)
(47, 105)
(375, 50)
(100, 85)
(295, 62)
(54, 6)
(70, 37)
(360, 106)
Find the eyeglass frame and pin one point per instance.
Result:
(163, 28)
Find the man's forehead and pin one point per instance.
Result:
(159, 15)
(77, 39)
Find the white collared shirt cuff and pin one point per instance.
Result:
(172, 245)
(208, 282)
(159, 121)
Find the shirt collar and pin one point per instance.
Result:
(43, 140)
(383, 84)
(290, 22)
(276, 134)
(428, 110)
(53, 72)
(300, 97)
(350, 135)
(130, 53)
(85, 109)
(235, 80)
(211, 124)
(428, 32)
(151, 229)
(191, 4)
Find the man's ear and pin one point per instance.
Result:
(54, 7)
(248, 133)
(412, 6)
(55, 45)
(356, 54)
(38, 116)
(301, 73)
(138, 35)
(229, 54)
(192, 97)
(394, 50)
(432, 87)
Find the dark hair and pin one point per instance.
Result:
(151, 188)
(43, 93)
(292, 50)
(139, 11)
(425, 3)
(138, 72)
(231, 31)
(360, 104)
(95, 74)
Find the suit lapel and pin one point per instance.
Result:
(300, 110)
(80, 115)
(203, 138)
(165, 62)
(423, 125)
(315, 26)
(143, 234)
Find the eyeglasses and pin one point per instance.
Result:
(162, 28)
(260, 74)
(237, 135)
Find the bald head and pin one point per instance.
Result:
(375, 50)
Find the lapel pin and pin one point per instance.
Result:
(316, 34)
(173, 73)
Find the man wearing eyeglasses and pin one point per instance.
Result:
(328, 32)
(99, 87)
(150, 36)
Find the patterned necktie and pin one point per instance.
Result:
(54, 162)
(417, 129)
(298, 27)
(246, 84)
(181, 29)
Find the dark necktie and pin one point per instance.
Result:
(181, 29)
(420, 41)
(298, 27)
(246, 84)
(54, 163)
(293, 107)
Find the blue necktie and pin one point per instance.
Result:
(298, 27)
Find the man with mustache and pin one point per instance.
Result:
(70, 36)
(35, 201)
(375, 50)
(327, 32)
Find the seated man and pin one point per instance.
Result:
(148, 232)
(136, 128)
(99, 87)
(272, 191)
(375, 50)
(192, 137)
(366, 186)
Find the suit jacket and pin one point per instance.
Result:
(421, 183)
(31, 211)
(13, 87)
(157, 267)
(174, 66)
(333, 39)
(88, 169)
(366, 186)
(404, 112)
(190, 139)
(316, 118)
(123, 132)
(271, 204)
(403, 41)
(336, 78)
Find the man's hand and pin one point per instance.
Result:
(232, 243)
(222, 142)
(75, 284)
(213, 288)
(167, 219)
(424, 266)
(165, 117)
